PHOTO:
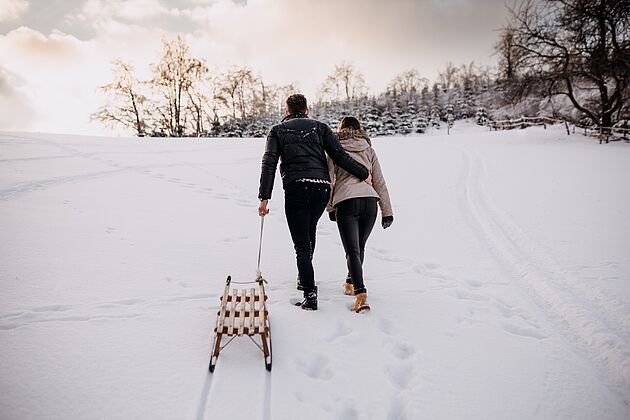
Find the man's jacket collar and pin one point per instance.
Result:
(296, 115)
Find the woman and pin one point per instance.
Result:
(353, 205)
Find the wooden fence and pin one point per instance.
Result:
(604, 134)
(524, 122)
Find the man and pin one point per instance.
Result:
(301, 143)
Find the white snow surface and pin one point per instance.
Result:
(500, 292)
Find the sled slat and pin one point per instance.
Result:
(252, 310)
(241, 318)
(230, 330)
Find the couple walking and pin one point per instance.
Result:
(323, 171)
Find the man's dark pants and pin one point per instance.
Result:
(304, 204)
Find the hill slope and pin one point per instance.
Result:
(501, 290)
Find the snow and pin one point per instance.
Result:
(500, 292)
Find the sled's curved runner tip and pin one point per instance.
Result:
(243, 313)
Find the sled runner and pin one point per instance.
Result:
(243, 313)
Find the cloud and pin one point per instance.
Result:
(26, 42)
(58, 73)
(98, 15)
(12, 9)
(17, 109)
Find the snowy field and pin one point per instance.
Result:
(502, 291)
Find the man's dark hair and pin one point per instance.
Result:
(296, 103)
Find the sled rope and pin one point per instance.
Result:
(259, 276)
(262, 224)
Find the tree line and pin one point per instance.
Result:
(566, 59)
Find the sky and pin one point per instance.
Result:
(55, 53)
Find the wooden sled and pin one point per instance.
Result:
(243, 313)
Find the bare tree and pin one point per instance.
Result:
(237, 91)
(448, 77)
(174, 76)
(344, 83)
(468, 76)
(198, 107)
(408, 84)
(124, 100)
(510, 56)
(579, 49)
(281, 93)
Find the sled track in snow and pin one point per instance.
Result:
(600, 332)
(207, 387)
(203, 398)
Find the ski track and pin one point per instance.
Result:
(608, 308)
(510, 248)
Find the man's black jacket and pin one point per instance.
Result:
(301, 143)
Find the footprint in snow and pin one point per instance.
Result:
(386, 326)
(403, 351)
(431, 266)
(341, 329)
(523, 331)
(400, 375)
(346, 411)
(474, 283)
(466, 295)
(506, 310)
(316, 367)
(398, 410)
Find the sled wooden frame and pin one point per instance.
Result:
(243, 313)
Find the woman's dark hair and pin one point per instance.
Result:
(349, 122)
(296, 103)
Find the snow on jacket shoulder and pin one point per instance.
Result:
(345, 186)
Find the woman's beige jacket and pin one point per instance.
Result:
(345, 186)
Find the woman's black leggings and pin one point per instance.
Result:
(355, 220)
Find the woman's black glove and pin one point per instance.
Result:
(332, 215)
(387, 221)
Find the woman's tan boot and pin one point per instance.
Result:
(348, 289)
(361, 304)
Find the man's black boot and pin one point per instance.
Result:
(299, 283)
(310, 302)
